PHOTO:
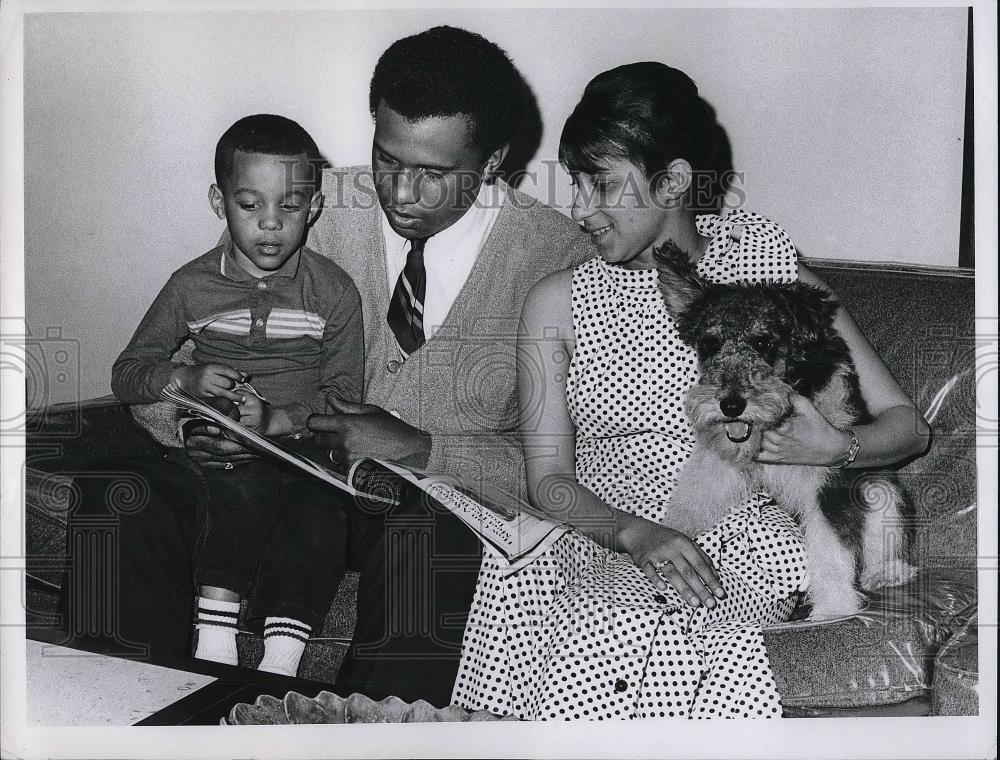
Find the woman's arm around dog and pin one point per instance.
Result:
(548, 437)
(897, 429)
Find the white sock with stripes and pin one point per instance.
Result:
(217, 631)
(284, 641)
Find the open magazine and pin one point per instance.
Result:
(262, 443)
(515, 531)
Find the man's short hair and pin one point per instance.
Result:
(270, 135)
(447, 71)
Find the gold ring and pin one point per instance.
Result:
(663, 563)
(228, 466)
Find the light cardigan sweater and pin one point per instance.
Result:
(460, 386)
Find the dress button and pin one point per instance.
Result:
(393, 366)
(660, 599)
(620, 685)
(259, 323)
(261, 285)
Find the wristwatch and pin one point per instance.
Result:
(852, 452)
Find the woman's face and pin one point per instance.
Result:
(624, 217)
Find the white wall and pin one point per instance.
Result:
(847, 124)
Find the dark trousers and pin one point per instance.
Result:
(266, 525)
(419, 565)
(131, 579)
(148, 531)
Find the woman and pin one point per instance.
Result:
(624, 617)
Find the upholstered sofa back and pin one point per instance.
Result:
(922, 322)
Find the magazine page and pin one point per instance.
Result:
(263, 444)
(514, 530)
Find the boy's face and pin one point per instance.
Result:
(427, 172)
(267, 203)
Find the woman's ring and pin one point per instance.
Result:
(228, 466)
(663, 563)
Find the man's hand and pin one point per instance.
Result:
(353, 431)
(207, 445)
(208, 380)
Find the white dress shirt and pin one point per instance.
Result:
(448, 256)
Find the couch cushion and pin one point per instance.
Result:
(881, 656)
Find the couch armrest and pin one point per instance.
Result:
(956, 673)
(66, 437)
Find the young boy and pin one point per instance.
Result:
(261, 307)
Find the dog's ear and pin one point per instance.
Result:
(680, 283)
(810, 309)
(819, 304)
(817, 348)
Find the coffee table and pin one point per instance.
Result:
(74, 684)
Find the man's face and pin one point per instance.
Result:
(267, 203)
(427, 172)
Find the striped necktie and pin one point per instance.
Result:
(406, 310)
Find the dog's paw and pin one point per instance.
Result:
(842, 604)
(689, 516)
(893, 573)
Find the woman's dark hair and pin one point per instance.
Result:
(446, 71)
(270, 135)
(646, 113)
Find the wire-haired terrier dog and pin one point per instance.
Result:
(758, 345)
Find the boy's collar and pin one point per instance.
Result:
(230, 266)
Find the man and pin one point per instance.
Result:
(443, 254)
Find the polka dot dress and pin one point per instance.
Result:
(581, 633)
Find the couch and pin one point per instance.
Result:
(911, 651)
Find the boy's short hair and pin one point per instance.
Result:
(447, 71)
(270, 135)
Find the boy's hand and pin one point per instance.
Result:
(254, 413)
(208, 380)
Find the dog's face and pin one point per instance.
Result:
(756, 345)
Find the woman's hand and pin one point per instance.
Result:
(805, 437)
(667, 556)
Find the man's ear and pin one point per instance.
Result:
(493, 161)
(673, 182)
(217, 202)
(315, 206)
